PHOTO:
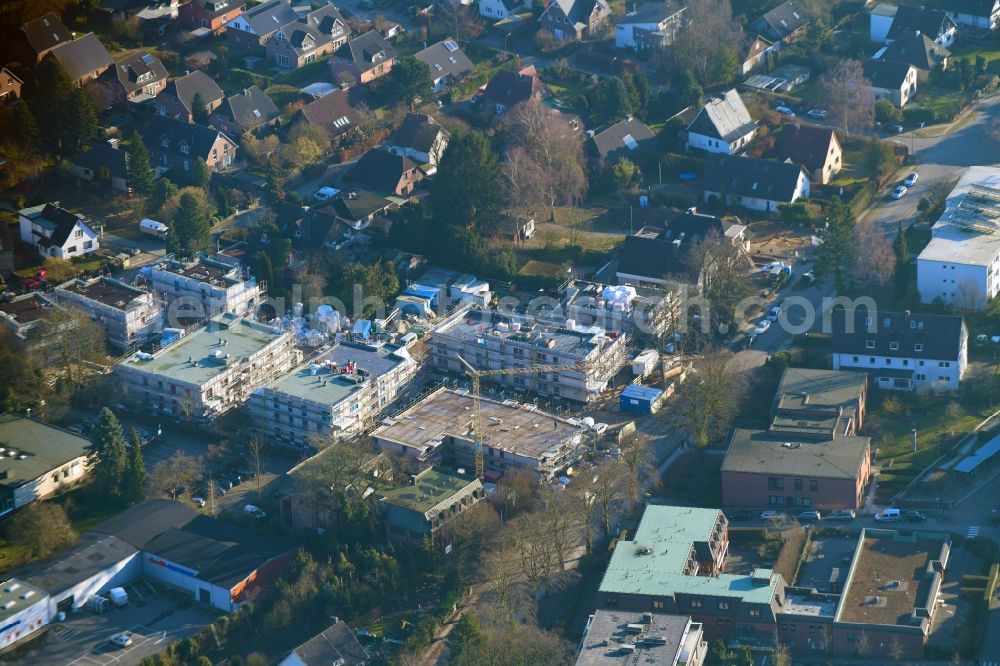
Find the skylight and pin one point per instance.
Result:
(450, 45)
(148, 59)
(630, 141)
(342, 121)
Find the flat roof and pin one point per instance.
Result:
(93, 554)
(661, 640)
(653, 562)
(968, 231)
(330, 377)
(763, 452)
(509, 425)
(44, 447)
(108, 291)
(429, 488)
(805, 388)
(26, 308)
(479, 324)
(199, 356)
(17, 596)
(215, 273)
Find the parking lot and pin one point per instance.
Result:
(154, 618)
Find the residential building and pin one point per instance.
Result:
(575, 19)
(419, 138)
(785, 23)
(652, 26)
(6, 251)
(157, 18)
(177, 98)
(894, 81)
(308, 227)
(636, 311)
(755, 183)
(819, 404)
(500, 9)
(211, 14)
(918, 51)
(517, 228)
(137, 78)
(26, 316)
(305, 40)
(104, 165)
(211, 370)
(83, 59)
(255, 27)
(440, 290)
(363, 59)
(39, 461)
(816, 148)
(204, 287)
(339, 394)
(961, 263)
(246, 111)
(335, 645)
(619, 140)
(515, 436)
(10, 86)
(615, 638)
(386, 172)
(55, 232)
(490, 340)
(358, 209)
(904, 22)
(447, 62)
(130, 316)
(902, 351)
(338, 113)
(173, 144)
(758, 52)
(508, 88)
(427, 505)
(44, 34)
(975, 13)
(722, 126)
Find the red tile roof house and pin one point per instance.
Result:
(508, 88)
(363, 59)
(138, 78)
(815, 148)
(211, 14)
(174, 143)
(83, 59)
(10, 86)
(317, 34)
(175, 100)
(387, 173)
(256, 27)
(247, 111)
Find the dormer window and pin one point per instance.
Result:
(869, 344)
(894, 346)
(165, 142)
(184, 148)
(918, 347)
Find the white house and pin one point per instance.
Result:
(652, 26)
(420, 138)
(56, 232)
(889, 23)
(975, 13)
(894, 81)
(961, 263)
(499, 9)
(879, 22)
(755, 183)
(722, 126)
(901, 351)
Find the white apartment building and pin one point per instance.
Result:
(340, 393)
(961, 263)
(211, 370)
(130, 316)
(203, 287)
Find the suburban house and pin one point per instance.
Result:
(901, 351)
(652, 26)
(177, 98)
(815, 148)
(425, 508)
(137, 78)
(363, 59)
(10, 86)
(722, 126)
(575, 19)
(386, 172)
(894, 81)
(308, 227)
(174, 143)
(246, 111)
(619, 140)
(104, 165)
(211, 14)
(336, 644)
(975, 13)
(508, 88)
(83, 59)
(447, 62)
(420, 138)
(358, 209)
(759, 51)
(314, 35)
(500, 9)
(254, 28)
(919, 51)
(755, 183)
(158, 18)
(338, 113)
(56, 232)
(785, 23)
(516, 228)
(45, 33)
(932, 23)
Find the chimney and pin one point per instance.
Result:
(113, 142)
(907, 313)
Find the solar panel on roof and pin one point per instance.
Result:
(450, 45)
(148, 59)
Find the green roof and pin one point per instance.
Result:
(653, 562)
(762, 452)
(44, 448)
(430, 488)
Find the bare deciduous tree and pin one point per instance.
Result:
(874, 259)
(721, 270)
(707, 401)
(638, 456)
(710, 28)
(179, 469)
(607, 487)
(848, 95)
(522, 181)
(256, 445)
(43, 528)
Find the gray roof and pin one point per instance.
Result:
(652, 12)
(92, 555)
(103, 156)
(198, 138)
(887, 75)
(381, 170)
(45, 32)
(939, 336)
(761, 452)
(783, 20)
(45, 448)
(653, 253)
(192, 83)
(360, 206)
(315, 29)
(910, 20)
(752, 177)
(578, 11)
(269, 17)
(129, 69)
(724, 118)
(622, 137)
(917, 50)
(821, 387)
(368, 50)
(445, 59)
(418, 131)
(83, 56)
(250, 109)
(971, 7)
(334, 645)
(608, 630)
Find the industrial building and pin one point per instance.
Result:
(427, 505)
(620, 638)
(340, 393)
(211, 370)
(198, 289)
(130, 316)
(492, 340)
(37, 460)
(24, 610)
(439, 428)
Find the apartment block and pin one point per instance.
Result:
(130, 316)
(204, 287)
(617, 638)
(427, 505)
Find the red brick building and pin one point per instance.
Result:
(211, 14)
(363, 59)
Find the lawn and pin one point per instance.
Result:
(694, 480)
(303, 76)
(989, 49)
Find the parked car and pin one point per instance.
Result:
(122, 640)
(224, 483)
(912, 179)
(326, 193)
(785, 111)
(198, 502)
(762, 327)
(741, 514)
(899, 192)
(773, 515)
(896, 128)
(914, 517)
(810, 516)
(818, 113)
(254, 511)
(774, 313)
(887, 516)
(843, 514)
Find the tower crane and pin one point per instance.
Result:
(476, 375)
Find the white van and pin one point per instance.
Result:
(888, 515)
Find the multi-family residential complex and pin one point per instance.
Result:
(440, 428)
(622, 308)
(619, 638)
(130, 316)
(210, 370)
(425, 507)
(490, 340)
(203, 287)
(337, 394)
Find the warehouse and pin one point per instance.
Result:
(23, 611)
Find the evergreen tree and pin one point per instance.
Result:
(199, 175)
(467, 186)
(689, 89)
(620, 101)
(222, 201)
(641, 85)
(263, 269)
(65, 116)
(902, 251)
(163, 189)
(26, 126)
(199, 109)
(106, 455)
(190, 227)
(134, 486)
(835, 255)
(140, 173)
(410, 78)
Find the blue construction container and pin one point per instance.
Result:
(640, 399)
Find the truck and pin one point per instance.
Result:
(153, 228)
(118, 596)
